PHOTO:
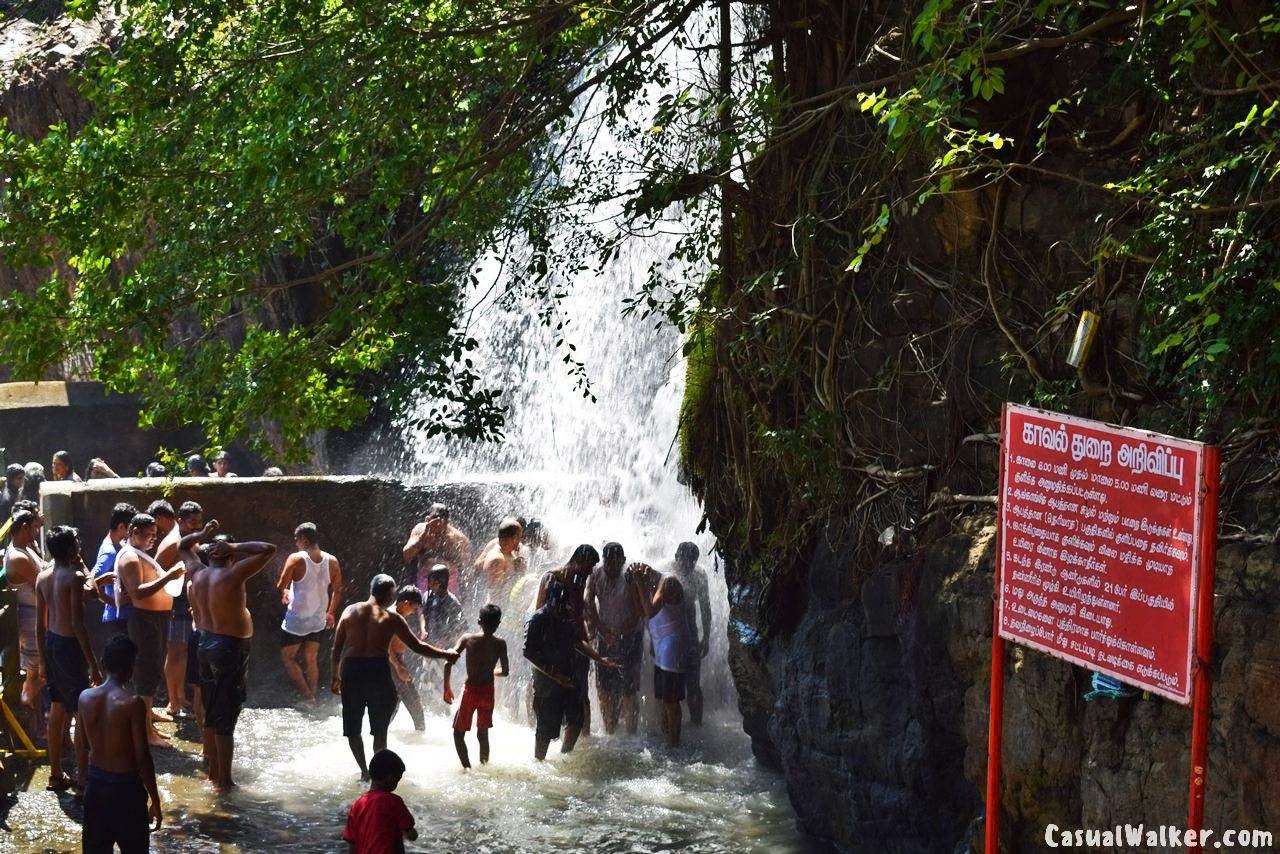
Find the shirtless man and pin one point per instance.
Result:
(500, 564)
(484, 652)
(190, 553)
(218, 597)
(573, 576)
(364, 633)
(22, 565)
(435, 541)
(188, 520)
(140, 580)
(66, 657)
(310, 588)
(615, 616)
(114, 759)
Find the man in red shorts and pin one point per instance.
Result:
(484, 652)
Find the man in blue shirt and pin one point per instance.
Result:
(116, 619)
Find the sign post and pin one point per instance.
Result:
(1105, 556)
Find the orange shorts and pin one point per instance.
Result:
(477, 700)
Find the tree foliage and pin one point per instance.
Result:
(274, 203)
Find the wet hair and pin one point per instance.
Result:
(509, 526)
(613, 551)
(122, 514)
(308, 532)
(196, 463)
(383, 588)
(119, 656)
(25, 504)
(62, 543)
(385, 766)
(534, 531)
(440, 573)
(140, 521)
(160, 508)
(687, 551)
(23, 518)
(672, 590)
(409, 593)
(155, 469)
(438, 511)
(490, 616)
(35, 477)
(189, 508)
(524, 523)
(585, 555)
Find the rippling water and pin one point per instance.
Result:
(617, 793)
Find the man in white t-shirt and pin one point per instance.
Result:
(310, 586)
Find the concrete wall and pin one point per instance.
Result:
(363, 521)
(38, 419)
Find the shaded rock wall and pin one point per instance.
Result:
(876, 707)
(363, 521)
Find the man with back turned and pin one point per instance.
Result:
(363, 679)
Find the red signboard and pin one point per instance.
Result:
(1100, 546)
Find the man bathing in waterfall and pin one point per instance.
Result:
(433, 541)
(192, 556)
(22, 566)
(141, 581)
(500, 564)
(573, 576)
(310, 586)
(484, 653)
(67, 659)
(697, 603)
(114, 759)
(616, 618)
(188, 520)
(218, 600)
(364, 679)
(554, 640)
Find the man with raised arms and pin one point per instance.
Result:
(363, 678)
(310, 587)
(433, 541)
(218, 598)
(141, 580)
(67, 659)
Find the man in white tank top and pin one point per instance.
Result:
(310, 586)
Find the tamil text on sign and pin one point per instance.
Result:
(1099, 543)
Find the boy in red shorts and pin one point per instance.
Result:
(484, 652)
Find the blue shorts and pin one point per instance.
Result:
(180, 628)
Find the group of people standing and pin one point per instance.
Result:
(173, 590)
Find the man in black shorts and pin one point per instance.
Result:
(218, 601)
(365, 633)
(553, 638)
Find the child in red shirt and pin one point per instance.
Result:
(379, 822)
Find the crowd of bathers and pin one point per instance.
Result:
(172, 586)
(24, 481)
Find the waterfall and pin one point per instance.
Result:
(600, 469)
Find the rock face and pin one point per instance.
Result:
(875, 708)
(363, 521)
